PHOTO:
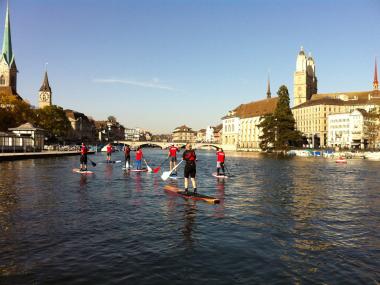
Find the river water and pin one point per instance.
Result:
(280, 221)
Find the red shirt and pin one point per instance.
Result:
(139, 154)
(83, 150)
(173, 151)
(127, 150)
(220, 156)
(109, 148)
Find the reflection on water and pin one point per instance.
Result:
(279, 221)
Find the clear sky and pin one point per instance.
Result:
(159, 64)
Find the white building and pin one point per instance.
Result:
(347, 130)
(230, 136)
(209, 137)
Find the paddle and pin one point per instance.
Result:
(147, 166)
(155, 170)
(228, 172)
(92, 163)
(165, 175)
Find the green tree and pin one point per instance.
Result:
(278, 128)
(267, 126)
(372, 127)
(14, 112)
(53, 119)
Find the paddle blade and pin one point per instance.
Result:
(165, 175)
(155, 170)
(93, 163)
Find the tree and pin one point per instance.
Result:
(372, 127)
(14, 112)
(112, 119)
(53, 119)
(279, 128)
(267, 126)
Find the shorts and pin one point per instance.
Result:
(190, 170)
(173, 159)
(83, 159)
(219, 164)
(109, 153)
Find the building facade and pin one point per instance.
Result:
(311, 109)
(231, 125)
(183, 134)
(347, 130)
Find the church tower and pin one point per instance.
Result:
(375, 82)
(268, 89)
(45, 93)
(305, 80)
(8, 69)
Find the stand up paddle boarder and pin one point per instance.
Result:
(109, 152)
(139, 156)
(190, 168)
(172, 155)
(127, 156)
(220, 158)
(83, 157)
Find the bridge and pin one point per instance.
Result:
(164, 145)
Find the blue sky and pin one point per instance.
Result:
(159, 64)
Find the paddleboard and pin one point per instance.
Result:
(77, 170)
(219, 176)
(341, 161)
(139, 170)
(191, 195)
(111, 161)
(175, 177)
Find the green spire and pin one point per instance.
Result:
(7, 41)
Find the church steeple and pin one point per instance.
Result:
(7, 40)
(45, 93)
(268, 89)
(45, 84)
(375, 82)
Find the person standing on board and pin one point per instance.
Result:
(172, 155)
(139, 156)
(190, 168)
(109, 152)
(220, 157)
(83, 157)
(127, 156)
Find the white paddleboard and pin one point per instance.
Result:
(219, 176)
(77, 170)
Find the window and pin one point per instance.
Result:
(2, 80)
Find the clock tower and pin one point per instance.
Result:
(45, 93)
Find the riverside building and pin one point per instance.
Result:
(240, 126)
(311, 110)
(347, 130)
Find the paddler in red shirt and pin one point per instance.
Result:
(190, 157)
(109, 152)
(139, 156)
(220, 158)
(83, 157)
(172, 155)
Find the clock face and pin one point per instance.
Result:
(44, 97)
